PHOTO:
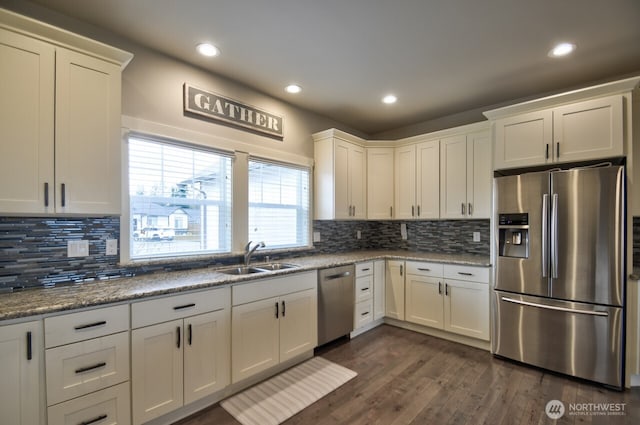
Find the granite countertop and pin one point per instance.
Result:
(42, 301)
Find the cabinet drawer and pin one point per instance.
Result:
(363, 313)
(364, 288)
(470, 273)
(273, 287)
(110, 406)
(425, 268)
(174, 307)
(74, 327)
(77, 369)
(364, 269)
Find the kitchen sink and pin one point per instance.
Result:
(275, 266)
(241, 270)
(258, 268)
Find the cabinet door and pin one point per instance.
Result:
(27, 70)
(479, 175)
(298, 323)
(254, 338)
(453, 177)
(394, 290)
(466, 308)
(342, 202)
(206, 354)
(428, 180)
(379, 276)
(357, 182)
(405, 182)
(424, 304)
(380, 183)
(588, 130)
(88, 134)
(523, 140)
(20, 392)
(156, 370)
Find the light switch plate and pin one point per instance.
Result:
(316, 236)
(112, 247)
(358, 234)
(78, 248)
(476, 236)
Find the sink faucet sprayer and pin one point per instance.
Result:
(248, 251)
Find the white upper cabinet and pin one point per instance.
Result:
(340, 177)
(27, 69)
(582, 125)
(59, 121)
(88, 135)
(380, 170)
(417, 181)
(465, 176)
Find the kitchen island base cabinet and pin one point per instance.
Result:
(21, 367)
(177, 362)
(273, 320)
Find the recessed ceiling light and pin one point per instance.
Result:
(207, 49)
(562, 49)
(293, 88)
(389, 99)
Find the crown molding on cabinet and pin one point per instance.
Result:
(606, 89)
(63, 38)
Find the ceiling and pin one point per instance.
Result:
(439, 57)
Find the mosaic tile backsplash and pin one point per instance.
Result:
(33, 251)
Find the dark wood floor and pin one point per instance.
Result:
(409, 378)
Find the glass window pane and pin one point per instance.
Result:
(180, 199)
(278, 204)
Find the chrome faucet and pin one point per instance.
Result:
(248, 251)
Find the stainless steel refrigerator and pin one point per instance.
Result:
(558, 300)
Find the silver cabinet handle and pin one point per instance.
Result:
(412, 211)
(462, 208)
(418, 210)
(465, 274)
(545, 233)
(63, 195)
(401, 267)
(46, 194)
(440, 288)
(424, 270)
(470, 209)
(390, 211)
(546, 151)
(557, 150)
(552, 307)
(354, 210)
(446, 289)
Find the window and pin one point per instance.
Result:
(180, 199)
(278, 204)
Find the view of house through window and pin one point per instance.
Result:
(180, 199)
(278, 204)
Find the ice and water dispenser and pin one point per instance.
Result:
(513, 233)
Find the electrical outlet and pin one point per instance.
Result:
(358, 234)
(78, 248)
(476, 236)
(316, 236)
(112, 247)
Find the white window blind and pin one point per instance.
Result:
(180, 199)
(278, 204)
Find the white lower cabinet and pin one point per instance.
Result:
(449, 297)
(379, 279)
(394, 290)
(363, 311)
(21, 368)
(176, 362)
(110, 406)
(87, 366)
(273, 320)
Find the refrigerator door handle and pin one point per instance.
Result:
(551, 307)
(554, 237)
(545, 234)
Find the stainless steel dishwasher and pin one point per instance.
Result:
(336, 288)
